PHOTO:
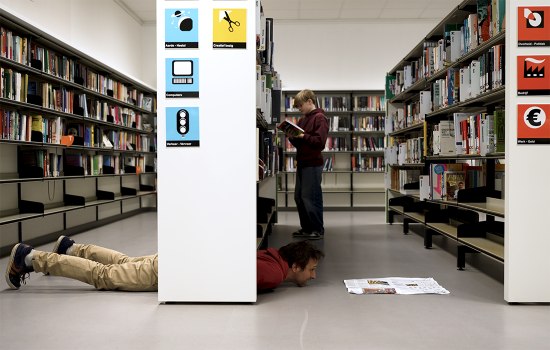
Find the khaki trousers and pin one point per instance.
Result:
(102, 268)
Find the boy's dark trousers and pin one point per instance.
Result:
(308, 196)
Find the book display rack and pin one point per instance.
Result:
(452, 143)
(77, 138)
(353, 175)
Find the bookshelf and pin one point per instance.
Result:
(345, 186)
(485, 217)
(44, 193)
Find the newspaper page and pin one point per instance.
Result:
(394, 285)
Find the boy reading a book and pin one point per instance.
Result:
(308, 194)
(106, 269)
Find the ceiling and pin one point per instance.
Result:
(144, 11)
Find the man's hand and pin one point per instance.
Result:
(301, 136)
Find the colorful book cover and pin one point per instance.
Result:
(500, 131)
(437, 173)
(453, 182)
(483, 21)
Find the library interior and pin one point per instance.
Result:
(396, 165)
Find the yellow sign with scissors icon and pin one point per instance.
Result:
(229, 29)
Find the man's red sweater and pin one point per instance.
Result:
(271, 269)
(315, 126)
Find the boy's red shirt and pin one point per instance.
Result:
(309, 148)
(271, 269)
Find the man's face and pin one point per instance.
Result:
(306, 107)
(302, 276)
(461, 185)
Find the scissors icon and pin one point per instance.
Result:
(230, 21)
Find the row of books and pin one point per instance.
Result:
(68, 69)
(469, 134)
(444, 180)
(344, 123)
(365, 163)
(16, 86)
(375, 123)
(336, 144)
(14, 47)
(329, 164)
(342, 104)
(369, 144)
(19, 127)
(481, 75)
(49, 162)
(338, 123)
(101, 110)
(93, 164)
(406, 151)
(459, 39)
(368, 103)
(481, 26)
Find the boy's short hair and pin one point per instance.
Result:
(303, 96)
(300, 253)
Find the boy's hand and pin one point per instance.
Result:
(289, 133)
(301, 136)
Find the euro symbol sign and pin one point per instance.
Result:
(534, 117)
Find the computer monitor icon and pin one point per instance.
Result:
(182, 68)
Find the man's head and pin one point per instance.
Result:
(461, 185)
(302, 258)
(305, 101)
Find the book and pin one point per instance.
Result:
(453, 182)
(437, 173)
(500, 137)
(446, 138)
(287, 125)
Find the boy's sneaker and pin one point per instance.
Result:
(301, 233)
(17, 269)
(315, 235)
(63, 243)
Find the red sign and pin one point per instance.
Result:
(534, 26)
(533, 75)
(533, 124)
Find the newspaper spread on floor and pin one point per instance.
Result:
(394, 285)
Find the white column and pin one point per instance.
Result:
(207, 194)
(527, 236)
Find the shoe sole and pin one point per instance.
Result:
(57, 244)
(301, 235)
(316, 238)
(9, 266)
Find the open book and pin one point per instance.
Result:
(287, 125)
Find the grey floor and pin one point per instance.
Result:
(56, 313)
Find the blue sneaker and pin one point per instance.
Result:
(63, 243)
(17, 269)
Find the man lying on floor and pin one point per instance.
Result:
(106, 269)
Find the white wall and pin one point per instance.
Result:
(149, 55)
(342, 55)
(99, 28)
